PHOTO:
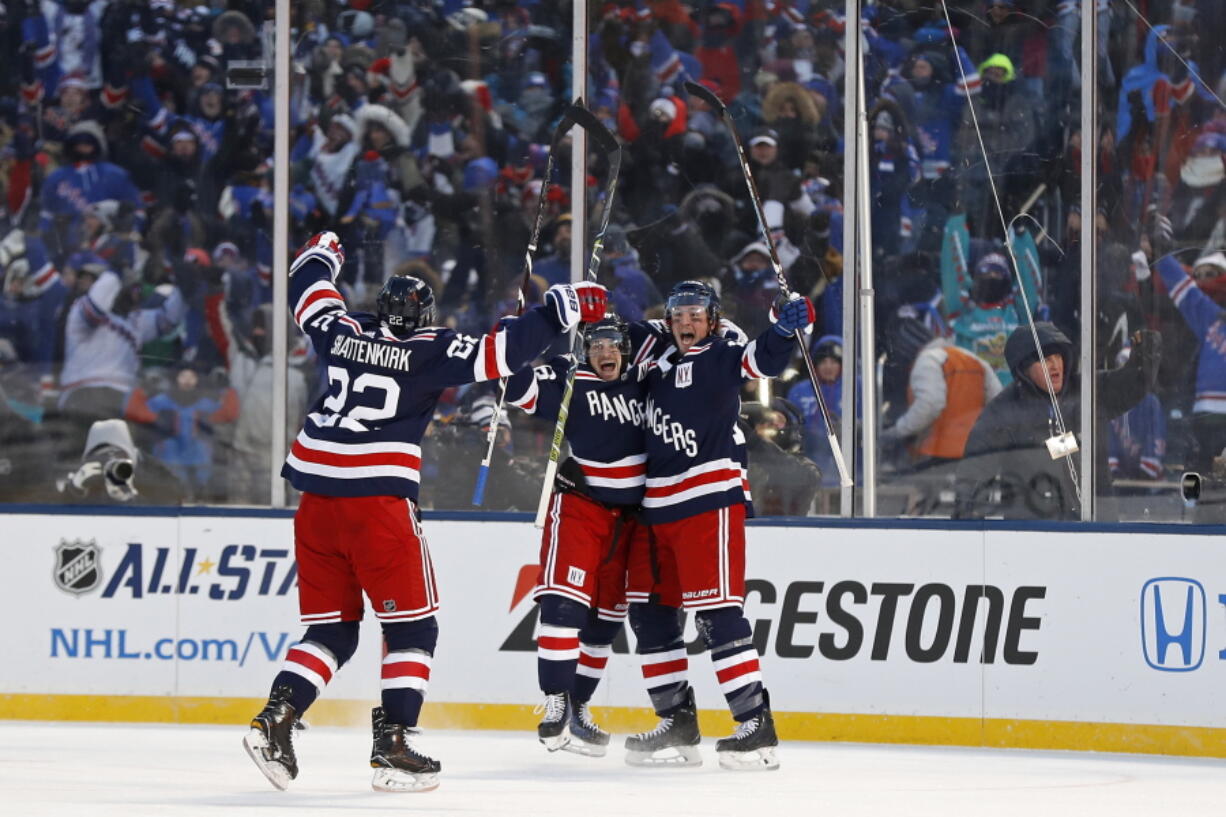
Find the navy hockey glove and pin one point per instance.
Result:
(793, 315)
(326, 247)
(584, 302)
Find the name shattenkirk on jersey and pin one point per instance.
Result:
(373, 354)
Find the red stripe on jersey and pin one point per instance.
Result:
(355, 460)
(491, 356)
(310, 662)
(665, 668)
(614, 471)
(549, 642)
(529, 405)
(406, 669)
(698, 479)
(736, 671)
(746, 367)
(312, 298)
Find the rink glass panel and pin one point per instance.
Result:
(1160, 153)
(974, 213)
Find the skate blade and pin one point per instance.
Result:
(399, 781)
(556, 742)
(759, 760)
(583, 747)
(255, 743)
(672, 757)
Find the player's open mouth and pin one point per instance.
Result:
(608, 367)
(687, 337)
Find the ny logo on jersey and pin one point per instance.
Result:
(685, 375)
(575, 576)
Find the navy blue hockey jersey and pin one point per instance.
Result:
(604, 426)
(695, 452)
(363, 436)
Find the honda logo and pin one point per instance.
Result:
(1173, 618)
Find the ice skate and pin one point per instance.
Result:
(399, 765)
(586, 738)
(270, 741)
(752, 746)
(674, 741)
(552, 730)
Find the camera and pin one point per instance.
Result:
(1062, 445)
(119, 470)
(247, 75)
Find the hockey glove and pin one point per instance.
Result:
(325, 247)
(577, 303)
(793, 315)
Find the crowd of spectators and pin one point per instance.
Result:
(136, 223)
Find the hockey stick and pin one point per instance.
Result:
(569, 119)
(711, 99)
(609, 146)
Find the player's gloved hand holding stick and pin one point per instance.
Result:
(711, 99)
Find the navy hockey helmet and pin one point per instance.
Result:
(693, 293)
(405, 304)
(610, 327)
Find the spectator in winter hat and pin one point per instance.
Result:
(334, 154)
(774, 180)
(555, 267)
(87, 178)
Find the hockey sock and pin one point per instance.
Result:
(661, 649)
(311, 663)
(595, 646)
(557, 643)
(730, 639)
(405, 676)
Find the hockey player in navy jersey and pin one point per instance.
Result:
(357, 462)
(592, 519)
(695, 504)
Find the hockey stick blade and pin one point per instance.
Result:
(705, 94)
(595, 128)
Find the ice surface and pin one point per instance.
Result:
(187, 771)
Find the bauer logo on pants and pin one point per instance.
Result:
(78, 568)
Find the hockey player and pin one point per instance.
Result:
(357, 461)
(592, 519)
(695, 504)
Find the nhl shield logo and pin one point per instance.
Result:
(78, 567)
(389, 605)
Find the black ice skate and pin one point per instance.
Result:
(270, 741)
(752, 747)
(552, 730)
(674, 741)
(399, 765)
(586, 738)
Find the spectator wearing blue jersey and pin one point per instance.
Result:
(186, 415)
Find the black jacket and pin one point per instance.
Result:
(1007, 469)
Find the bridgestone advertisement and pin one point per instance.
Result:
(1091, 628)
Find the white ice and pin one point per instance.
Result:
(85, 770)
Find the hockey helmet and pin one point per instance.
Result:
(405, 304)
(693, 293)
(610, 327)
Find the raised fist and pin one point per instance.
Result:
(325, 247)
(577, 303)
